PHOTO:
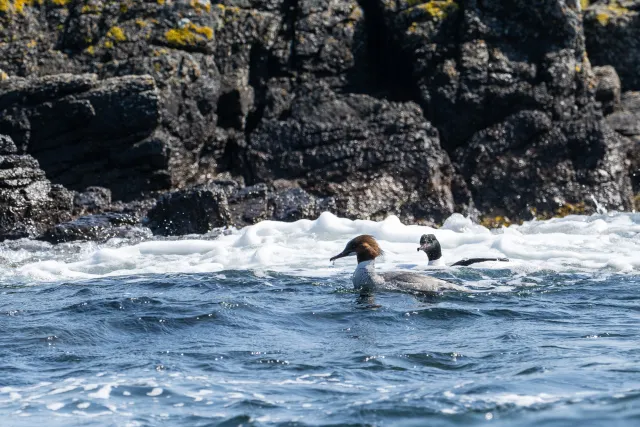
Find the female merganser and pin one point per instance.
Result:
(366, 279)
(431, 246)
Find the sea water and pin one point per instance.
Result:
(257, 327)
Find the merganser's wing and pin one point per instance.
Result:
(408, 281)
(468, 261)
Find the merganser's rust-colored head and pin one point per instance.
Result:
(364, 246)
(431, 246)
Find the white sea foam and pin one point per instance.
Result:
(604, 242)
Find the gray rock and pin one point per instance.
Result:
(197, 210)
(93, 199)
(98, 227)
(7, 146)
(608, 88)
(529, 166)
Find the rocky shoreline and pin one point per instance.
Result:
(131, 118)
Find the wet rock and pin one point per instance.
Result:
(93, 199)
(250, 205)
(612, 30)
(197, 210)
(294, 204)
(608, 88)
(373, 157)
(530, 166)
(98, 227)
(29, 203)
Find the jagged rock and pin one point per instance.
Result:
(608, 88)
(612, 30)
(259, 202)
(98, 227)
(28, 201)
(471, 64)
(88, 132)
(531, 166)
(352, 101)
(93, 199)
(197, 210)
(373, 157)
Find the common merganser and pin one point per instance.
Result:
(431, 246)
(366, 279)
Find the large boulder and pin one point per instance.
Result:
(612, 30)
(197, 210)
(29, 203)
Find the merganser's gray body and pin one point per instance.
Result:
(366, 279)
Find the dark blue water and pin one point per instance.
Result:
(236, 349)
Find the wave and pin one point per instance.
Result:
(600, 242)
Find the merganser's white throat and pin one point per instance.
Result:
(365, 276)
(436, 263)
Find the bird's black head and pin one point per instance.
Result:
(431, 246)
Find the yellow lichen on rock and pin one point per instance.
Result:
(495, 221)
(189, 35)
(440, 9)
(201, 5)
(584, 4)
(436, 10)
(17, 6)
(611, 10)
(116, 34)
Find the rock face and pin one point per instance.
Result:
(28, 201)
(477, 66)
(612, 29)
(419, 108)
